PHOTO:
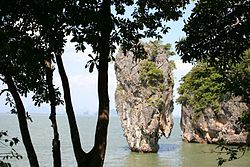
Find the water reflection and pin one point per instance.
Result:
(170, 154)
(167, 147)
(164, 158)
(181, 155)
(141, 160)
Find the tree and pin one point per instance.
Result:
(102, 30)
(23, 68)
(47, 23)
(202, 87)
(216, 31)
(52, 39)
(205, 87)
(15, 70)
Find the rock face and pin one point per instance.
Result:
(211, 127)
(144, 101)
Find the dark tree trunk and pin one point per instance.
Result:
(78, 151)
(55, 142)
(21, 114)
(95, 158)
(97, 154)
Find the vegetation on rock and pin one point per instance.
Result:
(156, 47)
(149, 74)
(205, 87)
(201, 88)
(144, 96)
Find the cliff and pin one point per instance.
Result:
(211, 127)
(209, 114)
(144, 98)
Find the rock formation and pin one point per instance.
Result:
(211, 127)
(144, 99)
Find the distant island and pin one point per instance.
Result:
(211, 113)
(144, 96)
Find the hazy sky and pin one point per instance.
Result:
(84, 84)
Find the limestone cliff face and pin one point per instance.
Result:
(210, 126)
(144, 101)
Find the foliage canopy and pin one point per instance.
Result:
(205, 87)
(216, 31)
(149, 74)
(201, 88)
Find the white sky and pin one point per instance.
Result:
(84, 84)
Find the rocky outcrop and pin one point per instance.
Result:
(144, 99)
(212, 127)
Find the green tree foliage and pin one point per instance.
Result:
(149, 74)
(146, 20)
(238, 78)
(201, 88)
(205, 87)
(156, 47)
(216, 31)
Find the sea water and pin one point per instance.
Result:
(173, 152)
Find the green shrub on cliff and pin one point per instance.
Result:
(201, 88)
(156, 47)
(149, 74)
(205, 87)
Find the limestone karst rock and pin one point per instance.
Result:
(210, 111)
(144, 98)
(212, 127)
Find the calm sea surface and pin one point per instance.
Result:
(173, 152)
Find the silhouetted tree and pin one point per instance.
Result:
(46, 24)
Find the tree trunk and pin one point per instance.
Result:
(21, 114)
(75, 138)
(55, 142)
(97, 154)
